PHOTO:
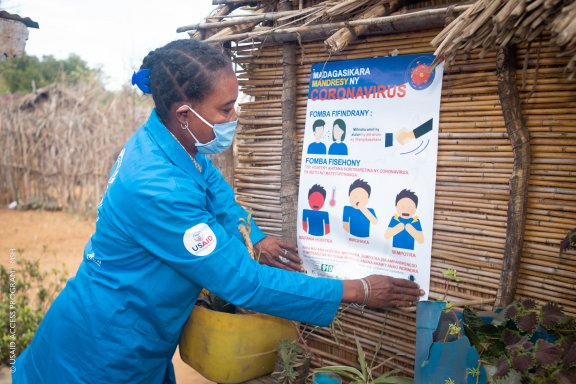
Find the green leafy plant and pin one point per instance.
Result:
(449, 327)
(365, 375)
(292, 363)
(335, 327)
(37, 203)
(453, 330)
(527, 343)
(473, 371)
(450, 275)
(26, 293)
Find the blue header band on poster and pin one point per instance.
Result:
(381, 77)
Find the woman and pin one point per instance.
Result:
(166, 228)
(338, 134)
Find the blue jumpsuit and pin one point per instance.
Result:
(164, 231)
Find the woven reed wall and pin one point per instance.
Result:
(57, 145)
(549, 108)
(474, 166)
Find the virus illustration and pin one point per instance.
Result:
(421, 74)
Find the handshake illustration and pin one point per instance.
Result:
(405, 136)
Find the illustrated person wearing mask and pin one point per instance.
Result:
(338, 134)
(166, 228)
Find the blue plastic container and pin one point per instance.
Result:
(326, 378)
(439, 361)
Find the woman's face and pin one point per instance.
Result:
(319, 133)
(338, 132)
(217, 106)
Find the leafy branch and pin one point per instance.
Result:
(365, 374)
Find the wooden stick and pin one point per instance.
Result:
(226, 2)
(223, 10)
(257, 18)
(386, 24)
(340, 40)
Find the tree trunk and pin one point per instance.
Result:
(289, 183)
(520, 140)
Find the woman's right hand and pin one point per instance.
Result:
(383, 292)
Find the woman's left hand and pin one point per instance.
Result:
(279, 254)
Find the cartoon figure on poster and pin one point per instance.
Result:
(317, 147)
(338, 147)
(357, 217)
(314, 221)
(405, 226)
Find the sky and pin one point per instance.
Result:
(114, 35)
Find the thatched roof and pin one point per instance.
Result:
(13, 34)
(337, 22)
(470, 24)
(490, 24)
(24, 20)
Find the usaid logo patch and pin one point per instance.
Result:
(199, 240)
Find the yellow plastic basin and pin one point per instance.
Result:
(232, 348)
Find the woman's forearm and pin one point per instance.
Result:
(353, 291)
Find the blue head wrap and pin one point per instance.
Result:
(142, 80)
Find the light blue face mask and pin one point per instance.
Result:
(223, 136)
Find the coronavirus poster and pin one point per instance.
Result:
(368, 174)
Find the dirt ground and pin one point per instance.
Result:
(57, 239)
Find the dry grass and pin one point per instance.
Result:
(58, 144)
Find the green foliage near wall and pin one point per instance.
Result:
(26, 292)
(24, 74)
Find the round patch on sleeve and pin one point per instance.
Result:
(199, 240)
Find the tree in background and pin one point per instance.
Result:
(26, 73)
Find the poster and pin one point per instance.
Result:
(368, 173)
